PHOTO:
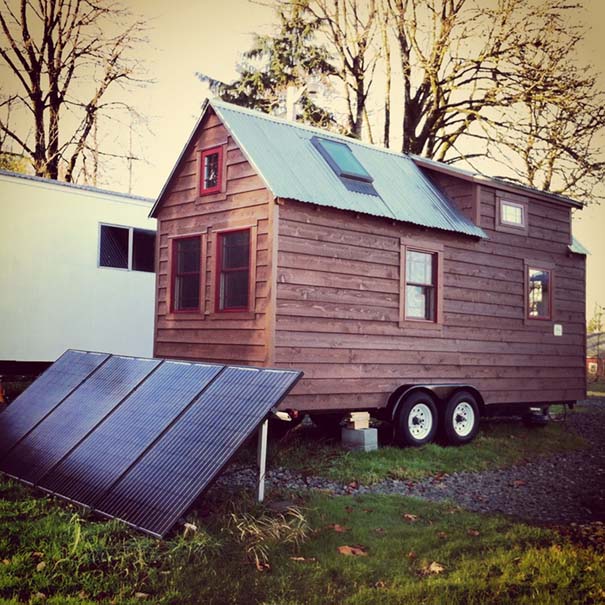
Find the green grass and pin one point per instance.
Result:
(51, 549)
(596, 389)
(498, 444)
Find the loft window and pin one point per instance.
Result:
(186, 257)
(345, 165)
(233, 264)
(127, 248)
(420, 291)
(512, 214)
(211, 170)
(539, 293)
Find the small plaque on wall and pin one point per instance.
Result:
(557, 329)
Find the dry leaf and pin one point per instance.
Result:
(304, 559)
(432, 569)
(339, 529)
(261, 566)
(40, 566)
(442, 535)
(412, 555)
(6, 562)
(353, 551)
(38, 554)
(411, 518)
(473, 532)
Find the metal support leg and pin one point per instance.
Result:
(261, 459)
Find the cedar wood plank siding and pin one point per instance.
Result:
(338, 307)
(244, 202)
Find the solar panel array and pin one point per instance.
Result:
(135, 439)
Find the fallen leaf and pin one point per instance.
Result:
(304, 559)
(6, 562)
(260, 566)
(442, 535)
(473, 532)
(141, 595)
(38, 554)
(432, 569)
(40, 566)
(410, 518)
(412, 555)
(353, 551)
(339, 529)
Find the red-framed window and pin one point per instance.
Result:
(186, 274)
(233, 270)
(211, 170)
(421, 285)
(539, 293)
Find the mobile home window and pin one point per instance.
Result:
(211, 170)
(186, 264)
(420, 285)
(233, 263)
(127, 248)
(539, 293)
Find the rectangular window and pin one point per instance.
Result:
(233, 270)
(512, 214)
(186, 265)
(420, 282)
(539, 293)
(512, 217)
(211, 170)
(127, 248)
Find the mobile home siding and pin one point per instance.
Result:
(338, 308)
(243, 202)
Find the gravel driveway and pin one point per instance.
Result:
(566, 488)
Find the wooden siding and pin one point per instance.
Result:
(242, 202)
(338, 284)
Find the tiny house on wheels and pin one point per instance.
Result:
(400, 286)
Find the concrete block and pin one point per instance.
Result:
(360, 439)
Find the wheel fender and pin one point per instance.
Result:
(440, 392)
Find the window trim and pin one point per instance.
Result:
(221, 170)
(172, 281)
(430, 248)
(219, 271)
(131, 231)
(539, 266)
(507, 227)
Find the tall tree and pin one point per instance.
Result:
(288, 58)
(51, 48)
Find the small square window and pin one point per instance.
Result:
(233, 262)
(127, 248)
(512, 214)
(211, 170)
(539, 293)
(186, 263)
(511, 217)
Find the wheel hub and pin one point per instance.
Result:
(420, 421)
(463, 419)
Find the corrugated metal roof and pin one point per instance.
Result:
(285, 158)
(577, 247)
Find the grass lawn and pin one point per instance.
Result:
(596, 389)
(499, 443)
(368, 549)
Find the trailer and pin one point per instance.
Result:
(423, 294)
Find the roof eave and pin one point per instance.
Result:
(496, 183)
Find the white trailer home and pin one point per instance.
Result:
(76, 270)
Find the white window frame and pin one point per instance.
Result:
(131, 231)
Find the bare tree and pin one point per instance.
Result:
(63, 61)
(350, 28)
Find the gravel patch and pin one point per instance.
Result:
(565, 488)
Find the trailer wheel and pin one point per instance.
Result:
(416, 422)
(460, 418)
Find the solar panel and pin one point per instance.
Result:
(45, 394)
(137, 439)
(88, 472)
(78, 414)
(183, 463)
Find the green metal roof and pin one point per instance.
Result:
(577, 247)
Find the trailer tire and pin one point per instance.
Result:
(460, 420)
(416, 420)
